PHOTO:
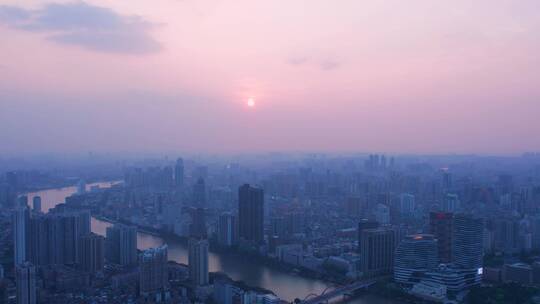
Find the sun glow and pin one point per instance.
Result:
(251, 102)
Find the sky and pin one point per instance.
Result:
(391, 76)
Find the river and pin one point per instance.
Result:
(286, 285)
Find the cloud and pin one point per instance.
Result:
(325, 64)
(88, 26)
(329, 64)
(298, 60)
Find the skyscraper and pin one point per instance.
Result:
(22, 201)
(440, 226)
(467, 250)
(198, 261)
(36, 203)
(179, 173)
(25, 277)
(251, 213)
(199, 193)
(54, 237)
(377, 251)
(467, 241)
(227, 229)
(121, 244)
(415, 255)
(153, 276)
(407, 204)
(198, 223)
(21, 242)
(362, 225)
(451, 203)
(92, 250)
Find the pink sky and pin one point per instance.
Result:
(372, 76)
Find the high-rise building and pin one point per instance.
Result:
(506, 234)
(197, 228)
(81, 187)
(21, 233)
(440, 226)
(363, 225)
(22, 201)
(407, 204)
(415, 255)
(153, 276)
(36, 203)
(227, 229)
(25, 279)
(382, 214)
(199, 193)
(251, 213)
(451, 203)
(377, 251)
(8, 195)
(446, 179)
(121, 244)
(54, 237)
(198, 261)
(467, 250)
(92, 252)
(179, 173)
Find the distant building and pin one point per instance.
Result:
(382, 214)
(451, 203)
(440, 226)
(21, 230)
(362, 225)
(227, 229)
(197, 228)
(25, 279)
(179, 173)
(121, 244)
(198, 262)
(54, 237)
(36, 203)
(407, 204)
(92, 252)
(153, 276)
(377, 251)
(22, 201)
(415, 255)
(251, 213)
(467, 247)
(199, 193)
(81, 187)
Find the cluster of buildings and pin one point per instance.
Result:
(429, 225)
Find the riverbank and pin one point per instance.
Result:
(284, 283)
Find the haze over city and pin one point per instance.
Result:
(149, 76)
(269, 152)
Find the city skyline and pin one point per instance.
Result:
(422, 77)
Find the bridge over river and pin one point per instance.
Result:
(328, 294)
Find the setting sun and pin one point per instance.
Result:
(251, 102)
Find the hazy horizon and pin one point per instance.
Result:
(423, 77)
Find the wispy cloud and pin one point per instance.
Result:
(329, 64)
(325, 64)
(88, 26)
(298, 60)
